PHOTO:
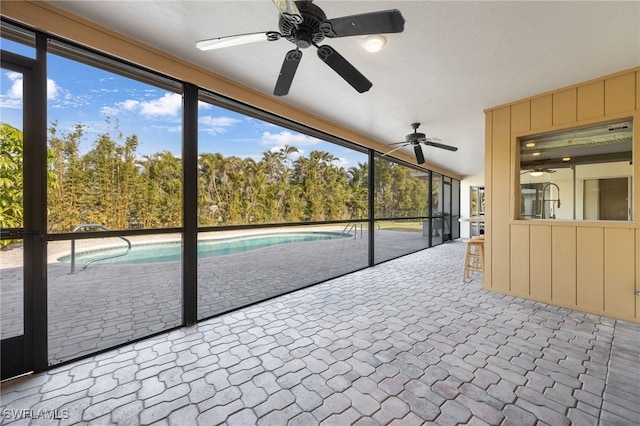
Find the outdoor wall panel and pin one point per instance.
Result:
(564, 106)
(488, 161)
(619, 94)
(520, 260)
(563, 267)
(619, 271)
(590, 268)
(541, 112)
(570, 263)
(540, 262)
(591, 100)
(638, 90)
(637, 289)
(500, 204)
(521, 117)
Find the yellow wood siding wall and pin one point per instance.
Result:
(588, 266)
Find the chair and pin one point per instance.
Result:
(473, 257)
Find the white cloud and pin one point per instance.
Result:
(168, 105)
(129, 105)
(53, 90)
(13, 97)
(216, 125)
(15, 91)
(279, 140)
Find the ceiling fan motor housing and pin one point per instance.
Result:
(308, 32)
(415, 138)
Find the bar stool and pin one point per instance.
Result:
(473, 257)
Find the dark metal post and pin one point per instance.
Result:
(372, 224)
(35, 208)
(430, 212)
(190, 204)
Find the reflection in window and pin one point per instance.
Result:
(580, 174)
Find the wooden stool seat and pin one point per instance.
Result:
(473, 257)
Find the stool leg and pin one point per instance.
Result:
(465, 270)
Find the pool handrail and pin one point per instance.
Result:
(103, 228)
(352, 225)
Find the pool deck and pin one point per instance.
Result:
(404, 342)
(108, 305)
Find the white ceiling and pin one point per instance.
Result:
(454, 59)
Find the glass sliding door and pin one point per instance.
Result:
(437, 210)
(12, 284)
(455, 209)
(20, 242)
(401, 204)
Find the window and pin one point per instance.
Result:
(579, 174)
(252, 171)
(114, 151)
(114, 145)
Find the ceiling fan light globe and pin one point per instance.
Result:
(536, 173)
(373, 43)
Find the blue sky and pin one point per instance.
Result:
(105, 102)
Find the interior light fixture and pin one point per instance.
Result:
(374, 43)
(535, 154)
(530, 145)
(536, 173)
(566, 158)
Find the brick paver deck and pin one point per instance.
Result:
(404, 342)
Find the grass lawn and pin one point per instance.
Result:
(400, 226)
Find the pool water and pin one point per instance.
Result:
(172, 251)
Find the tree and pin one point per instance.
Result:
(113, 186)
(11, 196)
(357, 201)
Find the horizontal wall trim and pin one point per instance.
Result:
(562, 89)
(575, 223)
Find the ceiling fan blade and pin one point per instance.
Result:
(398, 143)
(395, 149)
(289, 11)
(237, 40)
(382, 22)
(440, 145)
(288, 70)
(419, 156)
(347, 71)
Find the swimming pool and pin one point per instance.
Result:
(172, 251)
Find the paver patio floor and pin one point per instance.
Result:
(404, 342)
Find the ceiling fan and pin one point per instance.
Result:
(536, 171)
(305, 24)
(416, 139)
